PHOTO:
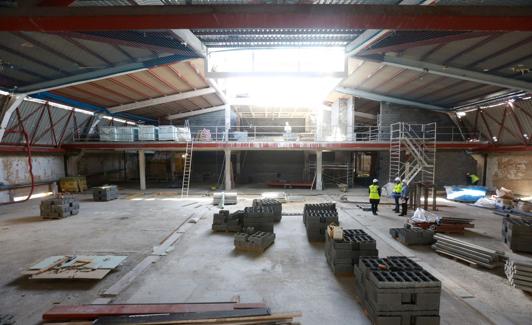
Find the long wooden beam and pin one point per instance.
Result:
(475, 18)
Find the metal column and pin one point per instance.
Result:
(142, 170)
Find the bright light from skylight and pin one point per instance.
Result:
(278, 77)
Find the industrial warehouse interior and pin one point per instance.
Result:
(265, 162)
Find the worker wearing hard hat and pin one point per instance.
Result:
(472, 179)
(397, 188)
(374, 196)
(404, 198)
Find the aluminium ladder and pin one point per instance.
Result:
(187, 166)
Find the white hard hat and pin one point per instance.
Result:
(404, 181)
(397, 179)
(375, 180)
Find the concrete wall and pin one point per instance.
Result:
(513, 171)
(451, 167)
(105, 167)
(262, 166)
(392, 113)
(14, 171)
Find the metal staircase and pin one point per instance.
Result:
(187, 166)
(413, 152)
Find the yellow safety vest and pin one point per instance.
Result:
(374, 192)
(474, 178)
(398, 188)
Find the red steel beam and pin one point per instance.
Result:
(519, 126)
(7, 147)
(466, 18)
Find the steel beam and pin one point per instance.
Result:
(196, 112)
(190, 40)
(390, 99)
(357, 16)
(9, 106)
(275, 74)
(162, 100)
(452, 72)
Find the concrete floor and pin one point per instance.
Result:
(292, 275)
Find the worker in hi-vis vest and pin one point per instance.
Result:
(374, 196)
(472, 179)
(397, 188)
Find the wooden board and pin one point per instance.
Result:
(72, 274)
(87, 312)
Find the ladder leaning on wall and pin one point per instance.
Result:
(187, 166)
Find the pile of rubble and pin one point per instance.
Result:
(59, 206)
(396, 290)
(342, 254)
(317, 217)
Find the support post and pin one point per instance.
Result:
(227, 121)
(335, 116)
(350, 118)
(319, 123)
(7, 109)
(319, 163)
(227, 172)
(142, 170)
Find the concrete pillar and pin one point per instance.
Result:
(319, 183)
(173, 161)
(350, 118)
(335, 118)
(227, 177)
(319, 123)
(238, 163)
(142, 170)
(227, 121)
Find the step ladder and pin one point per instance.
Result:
(187, 166)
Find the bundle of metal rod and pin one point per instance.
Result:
(472, 254)
(519, 274)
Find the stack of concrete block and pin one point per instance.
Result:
(105, 193)
(59, 207)
(517, 233)
(343, 254)
(317, 217)
(257, 241)
(472, 254)
(274, 205)
(224, 221)
(519, 275)
(413, 235)
(397, 291)
(259, 218)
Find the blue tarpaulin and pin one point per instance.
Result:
(465, 193)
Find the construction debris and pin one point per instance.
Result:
(275, 205)
(224, 198)
(343, 254)
(74, 267)
(254, 241)
(448, 225)
(519, 274)
(59, 206)
(187, 313)
(472, 254)
(105, 193)
(396, 290)
(517, 233)
(412, 235)
(317, 217)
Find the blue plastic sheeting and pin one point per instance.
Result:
(97, 262)
(465, 193)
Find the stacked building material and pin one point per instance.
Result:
(396, 290)
(447, 225)
(413, 235)
(343, 254)
(73, 184)
(259, 218)
(59, 207)
(472, 254)
(224, 198)
(519, 274)
(185, 313)
(274, 205)
(317, 217)
(105, 193)
(257, 241)
(517, 233)
(227, 222)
